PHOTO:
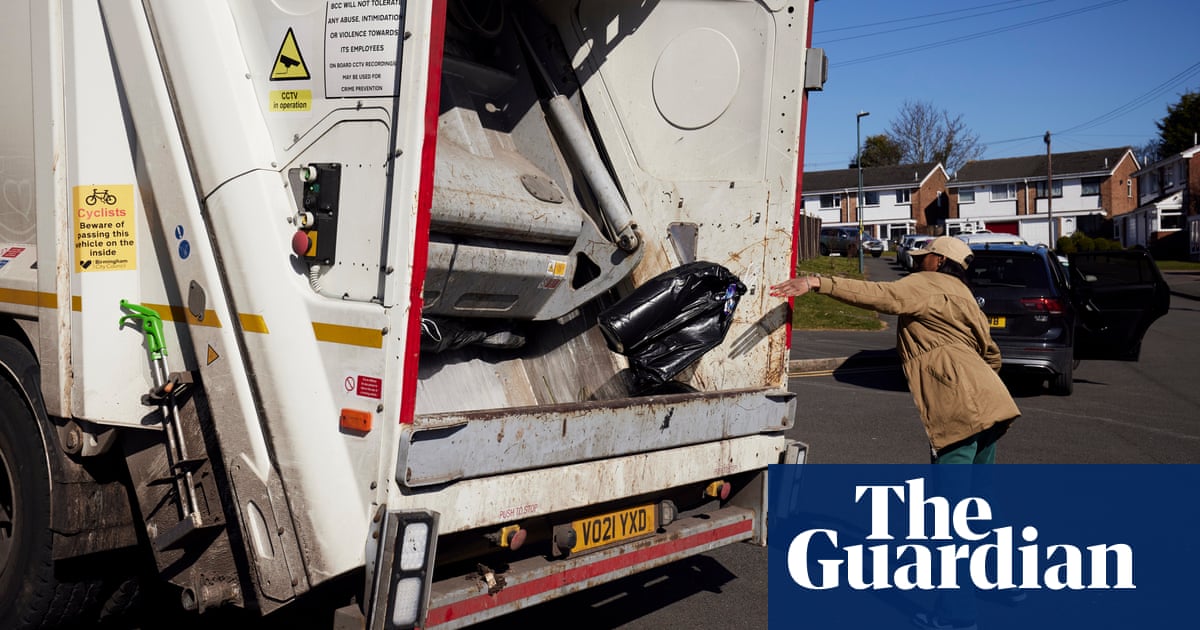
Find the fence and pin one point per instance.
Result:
(808, 240)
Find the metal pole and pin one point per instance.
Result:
(858, 163)
(1050, 193)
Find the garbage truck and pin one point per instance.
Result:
(299, 293)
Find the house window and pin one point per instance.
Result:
(831, 201)
(870, 197)
(903, 195)
(1041, 189)
(966, 195)
(1129, 188)
(1004, 192)
(1091, 186)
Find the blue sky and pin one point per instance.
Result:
(1095, 73)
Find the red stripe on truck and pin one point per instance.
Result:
(420, 254)
(543, 585)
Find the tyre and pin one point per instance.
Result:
(32, 595)
(876, 254)
(824, 250)
(1063, 383)
(26, 566)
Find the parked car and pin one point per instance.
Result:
(908, 243)
(985, 238)
(844, 241)
(1046, 318)
(873, 246)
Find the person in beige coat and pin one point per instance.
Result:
(949, 358)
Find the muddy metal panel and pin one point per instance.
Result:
(717, 152)
(451, 446)
(472, 503)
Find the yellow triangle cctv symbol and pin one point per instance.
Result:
(289, 63)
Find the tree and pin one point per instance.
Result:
(880, 150)
(1148, 153)
(1177, 130)
(925, 133)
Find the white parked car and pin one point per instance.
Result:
(985, 237)
(909, 242)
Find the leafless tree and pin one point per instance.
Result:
(928, 134)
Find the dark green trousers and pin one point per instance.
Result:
(977, 449)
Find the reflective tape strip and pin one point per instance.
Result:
(348, 335)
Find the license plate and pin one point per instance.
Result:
(997, 322)
(598, 531)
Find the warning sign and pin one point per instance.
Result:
(556, 272)
(289, 63)
(105, 228)
(291, 100)
(362, 45)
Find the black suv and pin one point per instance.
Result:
(1046, 316)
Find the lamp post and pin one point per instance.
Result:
(858, 163)
(1049, 193)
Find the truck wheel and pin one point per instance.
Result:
(31, 596)
(26, 568)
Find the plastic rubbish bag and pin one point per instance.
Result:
(443, 335)
(670, 321)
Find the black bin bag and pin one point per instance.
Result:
(670, 321)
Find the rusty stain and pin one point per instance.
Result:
(500, 435)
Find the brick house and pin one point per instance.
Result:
(1088, 189)
(1167, 218)
(897, 200)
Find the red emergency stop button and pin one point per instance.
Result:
(300, 243)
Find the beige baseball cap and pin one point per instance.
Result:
(948, 246)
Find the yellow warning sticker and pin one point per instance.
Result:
(291, 100)
(556, 272)
(212, 355)
(289, 63)
(105, 228)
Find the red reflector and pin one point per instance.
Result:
(355, 420)
(1043, 305)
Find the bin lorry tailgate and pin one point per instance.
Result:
(462, 445)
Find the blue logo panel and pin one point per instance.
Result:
(1001, 546)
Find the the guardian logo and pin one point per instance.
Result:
(944, 548)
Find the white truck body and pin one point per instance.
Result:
(301, 189)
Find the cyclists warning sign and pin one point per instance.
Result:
(105, 228)
(289, 63)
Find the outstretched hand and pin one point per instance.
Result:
(795, 287)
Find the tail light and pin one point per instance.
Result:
(1052, 306)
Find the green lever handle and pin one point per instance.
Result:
(151, 324)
